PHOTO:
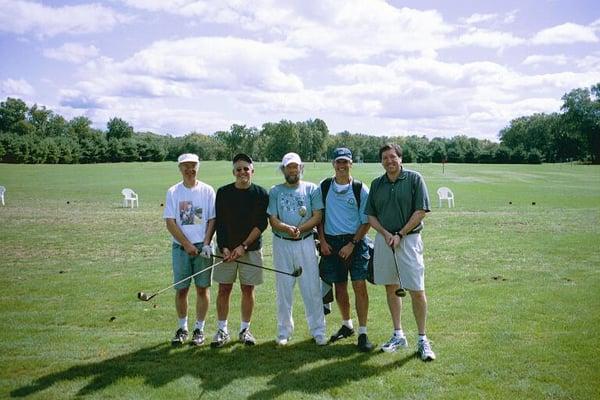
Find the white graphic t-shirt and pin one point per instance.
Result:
(191, 208)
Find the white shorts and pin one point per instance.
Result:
(249, 275)
(409, 257)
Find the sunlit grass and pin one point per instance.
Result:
(513, 289)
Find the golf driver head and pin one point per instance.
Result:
(297, 272)
(400, 292)
(143, 296)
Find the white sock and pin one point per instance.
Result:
(222, 325)
(183, 323)
(398, 332)
(199, 325)
(422, 338)
(362, 329)
(348, 323)
(244, 325)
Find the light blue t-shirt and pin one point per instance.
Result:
(342, 215)
(294, 205)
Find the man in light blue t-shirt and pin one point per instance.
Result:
(343, 247)
(294, 210)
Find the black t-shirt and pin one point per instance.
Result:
(238, 212)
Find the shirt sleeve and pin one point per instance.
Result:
(421, 196)
(260, 211)
(316, 200)
(370, 206)
(272, 208)
(220, 223)
(211, 204)
(169, 212)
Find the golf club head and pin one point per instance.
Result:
(400, 292)
(297, 272)
(143, 296)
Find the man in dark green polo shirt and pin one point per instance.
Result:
(397, 204)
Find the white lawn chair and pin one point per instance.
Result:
(2, 190)
(446, 194)
(129, 196)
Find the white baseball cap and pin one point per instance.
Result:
(291, 158)
(188, 157)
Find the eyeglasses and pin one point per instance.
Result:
(240, 169)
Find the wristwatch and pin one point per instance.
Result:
(245, 247)
(400, 234)
(354, 241)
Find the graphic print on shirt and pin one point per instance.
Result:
(293, 205)
(189, 214)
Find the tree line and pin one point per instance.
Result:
(38, 135)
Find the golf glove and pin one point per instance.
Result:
(206, 251)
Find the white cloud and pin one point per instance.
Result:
(218, 62)
(359, 30)
(510, 17)
(539, 59)
(490, 39)
(16, 88)
(565, 34)
(72, 52)
(255, 15)
(25, 17)
(477, 18)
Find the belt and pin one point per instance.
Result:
(345, 236)
(292, 239)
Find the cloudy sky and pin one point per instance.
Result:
(434, 68)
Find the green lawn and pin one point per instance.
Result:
(514, 293)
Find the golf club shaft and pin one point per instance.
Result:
(185, 279)
(259, 266)
(397, 269)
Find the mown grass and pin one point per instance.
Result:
(513, 290)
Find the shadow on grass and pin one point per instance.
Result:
(289, 368)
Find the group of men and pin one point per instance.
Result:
(341, 209)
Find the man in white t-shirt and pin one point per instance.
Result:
(190, 218)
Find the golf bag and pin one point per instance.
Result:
(370, 273)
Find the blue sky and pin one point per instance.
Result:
(434, 68)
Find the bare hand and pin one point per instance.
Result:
(346, 251)
(325, 248)
(226, 254)
(190, 249)
(237, 253)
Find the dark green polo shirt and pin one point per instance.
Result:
(394, 202)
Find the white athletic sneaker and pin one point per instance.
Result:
(282, 340)
(321, 340)
(392, 345)
(424, 350)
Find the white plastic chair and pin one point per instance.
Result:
(2, 190)
(446, 194)
(129, 196)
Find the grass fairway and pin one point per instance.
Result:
(514, 293)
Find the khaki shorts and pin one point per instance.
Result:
(249, 275)
(409, 256)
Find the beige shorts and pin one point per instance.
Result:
(409, 256)
(249, 275)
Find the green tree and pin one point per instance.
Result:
(12, 112)
(118, 129)
(581, 109)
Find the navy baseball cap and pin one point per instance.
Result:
(243, 157)
(342, 153)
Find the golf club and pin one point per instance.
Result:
(296, 273)
(145, 297)
(400, 292)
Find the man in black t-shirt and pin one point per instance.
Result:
(241, 217)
